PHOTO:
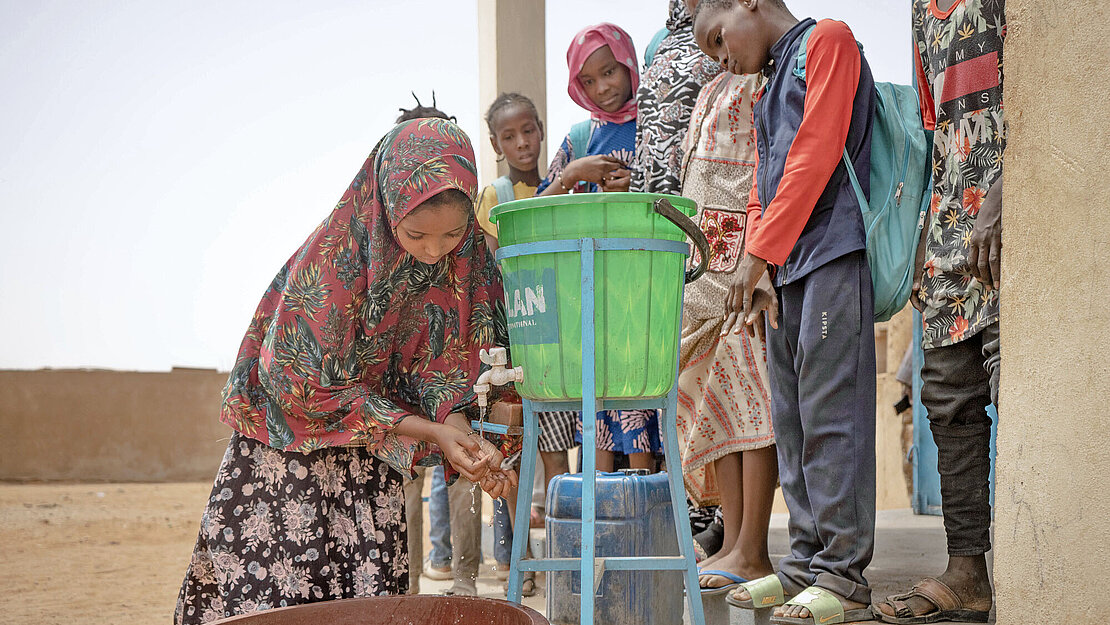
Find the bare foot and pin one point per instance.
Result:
(968, 579)
(736, 563)
(710, 561)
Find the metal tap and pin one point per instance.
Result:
(499, 374)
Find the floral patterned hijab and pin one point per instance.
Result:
(585, 43)
(354, 334)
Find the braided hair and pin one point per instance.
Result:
(504, 101)
(423, 111)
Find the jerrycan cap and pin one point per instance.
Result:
(634, 472)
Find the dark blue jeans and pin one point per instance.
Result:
(503, 530)
(439, 522)
(821, 365)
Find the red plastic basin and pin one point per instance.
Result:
(402, 610)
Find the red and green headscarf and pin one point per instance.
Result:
(354, 334)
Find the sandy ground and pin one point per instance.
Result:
(110, 553)
(95, 553)
(115, 553)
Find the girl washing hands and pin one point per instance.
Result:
(358, 364)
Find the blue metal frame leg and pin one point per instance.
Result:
(667, 418)
(589, 436)
(527, 475)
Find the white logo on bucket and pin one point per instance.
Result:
(532, 319)
(527, 305)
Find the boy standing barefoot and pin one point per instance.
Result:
(805, 233)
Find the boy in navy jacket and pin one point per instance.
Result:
(805, 265)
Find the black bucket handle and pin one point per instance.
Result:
(664, 208)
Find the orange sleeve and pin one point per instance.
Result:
(924, 93)
(832, 75)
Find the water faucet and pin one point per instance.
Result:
(499, 374)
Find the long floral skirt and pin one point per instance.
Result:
(285, 528)
(724, 403)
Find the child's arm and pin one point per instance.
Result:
(751, 292)
(832, 75)
(551, 184)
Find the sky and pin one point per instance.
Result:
(161, 161)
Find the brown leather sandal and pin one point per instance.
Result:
(949, 606)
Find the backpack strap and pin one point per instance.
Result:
(800, 72)
(860, 197)
(800, 60)
(580, 135)
(504, 188)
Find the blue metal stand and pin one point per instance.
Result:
(590, 566)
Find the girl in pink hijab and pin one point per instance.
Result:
(595, 155)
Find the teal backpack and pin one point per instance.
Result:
(900, 190)
(653, 47)
(580, 135)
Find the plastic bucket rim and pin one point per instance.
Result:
(684, 204)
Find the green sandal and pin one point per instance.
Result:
(765, 592)
(824, 609)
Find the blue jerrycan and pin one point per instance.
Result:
(634, 518)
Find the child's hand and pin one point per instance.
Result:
(617, 180)
(764, 302)
(590, 169)
(750, 295)
(463, 450)
(985, 255)
(499, 483)
(489, 454)
(498, 480)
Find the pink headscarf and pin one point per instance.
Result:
(585, 43)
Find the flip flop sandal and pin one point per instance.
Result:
(949, 606)
(734, 581)
(765, 592)
(824, 609)
(527, 585)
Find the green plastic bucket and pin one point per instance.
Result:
(637, 293)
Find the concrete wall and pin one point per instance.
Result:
(111, 425)
(892, 339)
(511, 57)
(1052, 501)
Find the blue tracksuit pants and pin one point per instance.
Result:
(821, 364)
